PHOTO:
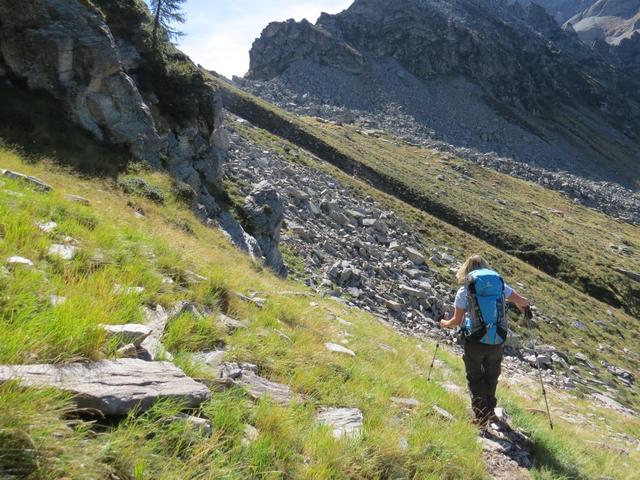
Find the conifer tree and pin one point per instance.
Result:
(166, 13)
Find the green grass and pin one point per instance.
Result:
(192, 333)
(285, 339)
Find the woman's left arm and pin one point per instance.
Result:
(519, 300)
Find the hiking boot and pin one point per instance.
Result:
(493, 418)
(481, 423)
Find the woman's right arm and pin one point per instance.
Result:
(453, 322)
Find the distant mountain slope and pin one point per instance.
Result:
(609, 20)
(557, 102)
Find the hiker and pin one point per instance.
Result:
(480, 302)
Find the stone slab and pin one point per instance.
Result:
(335, 348)
(113, 387)
(129, 333)
(36, 182)
(157, 320)
(65, 252)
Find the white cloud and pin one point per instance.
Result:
(220, 38)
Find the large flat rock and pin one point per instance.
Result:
(113, 387)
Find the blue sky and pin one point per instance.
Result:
(219, 33)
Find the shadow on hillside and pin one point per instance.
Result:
(547, 459)
(530, 453)
(35, 124)
(542, 453)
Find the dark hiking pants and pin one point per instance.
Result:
(482, 364)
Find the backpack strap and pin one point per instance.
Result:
(478, 328)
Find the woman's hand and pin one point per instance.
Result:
(455, 320)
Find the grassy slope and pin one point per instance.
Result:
(38, 436)
(565, 240)
(560, 301)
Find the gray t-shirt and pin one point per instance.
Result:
(462, 302)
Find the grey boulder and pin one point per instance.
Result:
(244, 375)
(130, 333)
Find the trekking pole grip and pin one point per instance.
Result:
(528, 313)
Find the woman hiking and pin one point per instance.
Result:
(480, 307)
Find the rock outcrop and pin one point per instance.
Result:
(611, 29)
(94, 59)
(264, 211)
(109, 82)
(611, 21)
(608, 21)
(282, 43)
(66, 48)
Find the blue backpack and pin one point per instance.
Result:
(487, 316)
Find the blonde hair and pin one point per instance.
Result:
(474, 262)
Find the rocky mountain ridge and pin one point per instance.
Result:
(608, 28)
(416, 51)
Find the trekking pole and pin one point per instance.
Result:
(434, 353)
(528, 314)
(433, 361)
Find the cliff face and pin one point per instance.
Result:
(109, 82)
(95, 59)
(66, 49)
(284, 42)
